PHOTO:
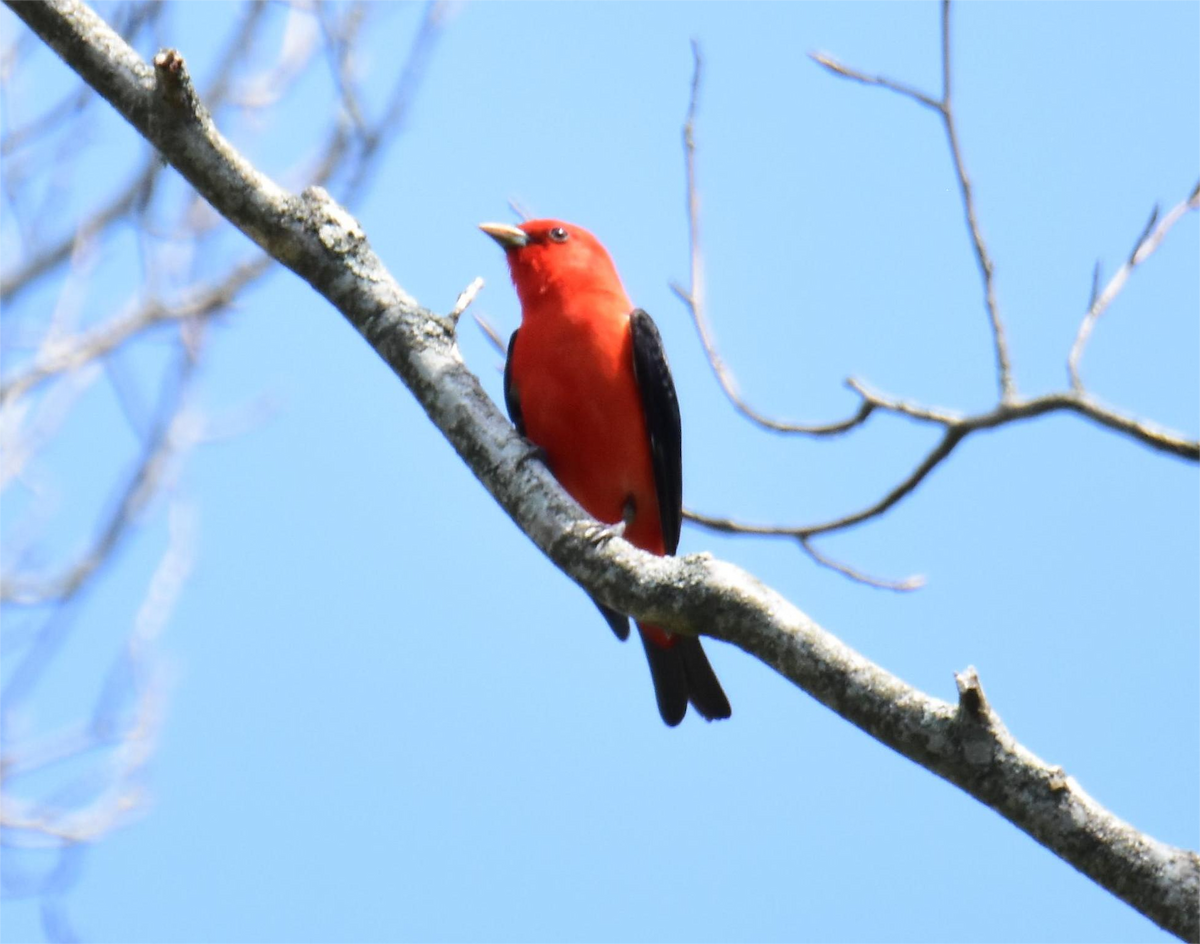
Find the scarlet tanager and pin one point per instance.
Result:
(587, 382)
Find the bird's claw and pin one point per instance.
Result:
(606, 532)
(597, 533)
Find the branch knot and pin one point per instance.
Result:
(175, 88)
(972, 703)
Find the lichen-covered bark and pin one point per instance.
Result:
(310, 234)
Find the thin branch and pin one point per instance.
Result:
(1149, 434)
(956, 429)
(519, 210)
(693, 296)
(952, 437)
(827, 61)
(140, 487)
(395, 112)
(339, 41)
(136, 16)
(465, 297)
(693, 299)
(1150, 239)
(72, 103)
(137, 192)
(904, 585)
(73, 352)
(490, 332)
(945, 109)
(982, 256)
(51, 257)
(274, 80)
(62, 355)
(36, 826)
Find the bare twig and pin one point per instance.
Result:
(339, 42)
(493, 336)
(395, 112)
(956, 429)
(952, 437)
(982, 256)
(945, 108)
(139, 190)
(465, 297)
(139, 489)
(297, 47)
(827, 61)
(904, 585)
(71, 353)
(56, 254)
(520, 211)
(61, 355)
(693, 296)
(129, 22)
(53, 116)
(1150, 239)
(40, 825)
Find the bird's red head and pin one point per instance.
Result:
(553, 258)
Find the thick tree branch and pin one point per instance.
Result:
(316, 238)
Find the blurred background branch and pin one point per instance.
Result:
(150, 270)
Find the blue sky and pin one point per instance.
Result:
(387, 717)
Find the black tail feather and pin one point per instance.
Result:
(682, 673)
(670, 681)
(704, 690)
(618, 621)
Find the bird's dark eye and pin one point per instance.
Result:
(558, 234)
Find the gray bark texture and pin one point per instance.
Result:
(964, 743)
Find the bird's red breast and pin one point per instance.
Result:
(572, 367)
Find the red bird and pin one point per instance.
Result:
(587, 381)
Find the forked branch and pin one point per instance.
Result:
(693, 296)
(1150, 239)
(945, 108)
(1010, 407)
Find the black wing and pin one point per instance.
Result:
(512, 402)
(662, 423)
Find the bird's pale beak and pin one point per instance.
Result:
(510, 237)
